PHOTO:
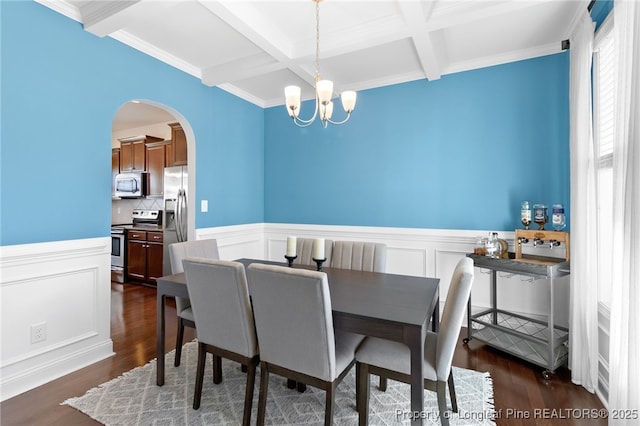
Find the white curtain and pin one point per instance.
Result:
(624, 352)
(583, 318)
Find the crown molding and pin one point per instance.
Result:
(513, 56)
(62, 7)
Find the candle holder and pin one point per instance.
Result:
(290, 260)
(319, 262)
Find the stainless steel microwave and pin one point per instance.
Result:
(131, 185)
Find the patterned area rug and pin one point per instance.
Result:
(134, 399)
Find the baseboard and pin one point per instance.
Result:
(44, 373)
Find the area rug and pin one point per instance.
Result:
(134, 399)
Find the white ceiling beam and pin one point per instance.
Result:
(414, 14)
(242, 17)
(105, 17)
(240, 69)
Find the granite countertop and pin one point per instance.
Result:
(140, 227)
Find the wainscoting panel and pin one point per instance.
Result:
(407, 261)
(64, 288)
(236, 241)
(40, 280)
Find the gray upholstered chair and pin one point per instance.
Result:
(220, 301)
(304, 251)
(292, 309)
(392, 359)
(359, 256)
(178, 251)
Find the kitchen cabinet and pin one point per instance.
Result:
(179, 145)
(144, 255)
(154, 256)
(133, 153)
(158, 157)
(115, 168)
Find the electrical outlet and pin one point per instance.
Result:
(38, 332)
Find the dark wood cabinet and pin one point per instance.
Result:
(144, 255)
(179, 145)
(154, 256)
(157, 157)
(137, 259)
(132, 156)
(133, 153)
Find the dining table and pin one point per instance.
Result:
(389, 306)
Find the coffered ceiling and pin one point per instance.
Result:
(254, 48)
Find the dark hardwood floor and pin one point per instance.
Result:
(521, 395)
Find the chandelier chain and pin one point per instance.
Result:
(317, 40)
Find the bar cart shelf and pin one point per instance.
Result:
(527, 338)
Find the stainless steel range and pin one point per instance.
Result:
(139, 218)
(118, 250)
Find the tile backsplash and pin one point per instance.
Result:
(121, 209)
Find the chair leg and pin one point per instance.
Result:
(179, 338)
(452, 393)
(362, 393)
(328, 410)
(202, 357)
(357, 387)
(262, 400)
(217, 369)
(382, 385)
(248, 394)
(441, 390)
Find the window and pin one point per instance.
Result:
(604, 89)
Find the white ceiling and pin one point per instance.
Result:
(254, 48)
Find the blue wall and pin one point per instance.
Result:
(461, 152)
(61, 87)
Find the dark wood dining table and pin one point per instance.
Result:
(389, 306)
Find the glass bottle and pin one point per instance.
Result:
(525, 214)
(557, 217)
(492, 244)
(540, 215)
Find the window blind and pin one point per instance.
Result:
(605, 88)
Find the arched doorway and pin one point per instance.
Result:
(151, 126)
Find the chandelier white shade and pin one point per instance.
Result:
(323, 93)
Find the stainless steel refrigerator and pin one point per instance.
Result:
(175, 210)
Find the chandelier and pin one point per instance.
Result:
(324, 93)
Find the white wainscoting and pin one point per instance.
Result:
(65, 285)
(419, 252)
